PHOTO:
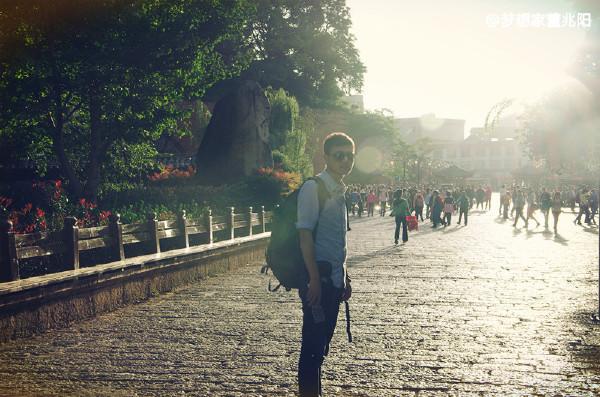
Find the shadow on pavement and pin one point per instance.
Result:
(516, 231)
(584, 353)
(559, 239)
(357, 259)
(447, 230)
(591, 229)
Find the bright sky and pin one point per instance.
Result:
(442, 57)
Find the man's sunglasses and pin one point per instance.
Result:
(339, 156)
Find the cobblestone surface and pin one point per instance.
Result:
(479, 310)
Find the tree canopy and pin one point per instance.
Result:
(304, 47)
(88, 82)
(562, 131)
(562, 128)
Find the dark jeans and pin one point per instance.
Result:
(383, 208)
(465, 213)
(316, 338)
(519, 214)
(370, 209)
(583, 210)
(419, 212)
(401, 220)
(447, 218)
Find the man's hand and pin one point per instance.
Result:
(314, 292)
(347, 292)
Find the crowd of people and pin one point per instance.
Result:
(323, 203)
(439, 204)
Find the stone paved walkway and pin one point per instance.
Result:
(478, 310)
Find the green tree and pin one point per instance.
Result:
(284, 113)
(562, 131)
(306, 48)
(289, 131)
(91, 83)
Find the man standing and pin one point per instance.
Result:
(323, 244)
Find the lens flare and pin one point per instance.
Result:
(369, 159)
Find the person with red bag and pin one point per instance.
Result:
(400, 210)
(448, 209)
(418, 205)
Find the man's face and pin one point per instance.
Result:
(340, 159)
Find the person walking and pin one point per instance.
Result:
(593, 204)
(355, 197)
(428, 203)
(518, 205)
(513, 195)
(583, 207)
(480, 197)
(556, 205)
(488, 198)
(418, 205)
(400, 210)
(436, 209)
(506, 200)
(448, 209)
(463, 207)
(371, 199)
(545, 204)
(322, 235)
(383, 198)
(531, 208)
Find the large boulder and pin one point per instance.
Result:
(236, 141)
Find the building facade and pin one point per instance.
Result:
(491, 158)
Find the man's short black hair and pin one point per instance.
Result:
(337, 139)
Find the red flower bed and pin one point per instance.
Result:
(170, 172)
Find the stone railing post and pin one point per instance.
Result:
(71, 240)
(9, 263)
(154, 244)
(208, 219)
(262, 219)
(117, 252)
(185, 238)
(249, 221)
(231, 222)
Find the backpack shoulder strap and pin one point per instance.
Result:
(322, 192)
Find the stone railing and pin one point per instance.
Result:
(72, 240)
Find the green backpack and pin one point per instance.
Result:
(283, 255)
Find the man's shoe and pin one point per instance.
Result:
(396, 241)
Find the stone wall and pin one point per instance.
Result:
(37, 304)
